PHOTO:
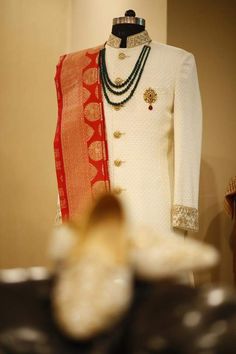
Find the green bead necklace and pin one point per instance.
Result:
(130, 83)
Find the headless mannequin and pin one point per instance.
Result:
(124, 30)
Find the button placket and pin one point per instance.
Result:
(118, 161)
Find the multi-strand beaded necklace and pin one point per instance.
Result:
(129, 85)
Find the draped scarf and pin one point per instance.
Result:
(80, 146)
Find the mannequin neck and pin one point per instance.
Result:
(125, 30)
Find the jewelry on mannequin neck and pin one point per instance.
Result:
(129, 85)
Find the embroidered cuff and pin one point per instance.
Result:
(185, 218)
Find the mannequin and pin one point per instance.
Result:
(124, 27)
(144, 146)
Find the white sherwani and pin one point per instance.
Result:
(159, 148)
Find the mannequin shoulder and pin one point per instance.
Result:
(169, 52)
(80, 57)
(82, 52)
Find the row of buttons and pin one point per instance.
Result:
(117, 134)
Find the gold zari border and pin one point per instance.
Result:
(132, 41)
(184, 217)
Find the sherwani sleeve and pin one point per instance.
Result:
(187, 145)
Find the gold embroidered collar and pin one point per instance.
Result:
(132, 41)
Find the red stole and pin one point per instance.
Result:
(80, 147)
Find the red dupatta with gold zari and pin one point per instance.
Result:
(80, 147)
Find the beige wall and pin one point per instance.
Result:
(207, 28)
(92, 20)
(33, 35)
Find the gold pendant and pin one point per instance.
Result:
(118, 81)
(117, 108)
(150, 96)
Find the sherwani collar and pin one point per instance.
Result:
(132, 41)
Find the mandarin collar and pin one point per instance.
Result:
(132, 41)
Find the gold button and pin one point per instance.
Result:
(121, 56)
(117, 162)
(117, 190)
(118, 81)
(117, 134)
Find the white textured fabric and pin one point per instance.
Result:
(160, 148)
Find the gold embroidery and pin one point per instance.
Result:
(99, 188)
(92, 111)
(138, 39)
(114, 41)
(184, 217)
(96, 92)
(86, 94)
(89, 131)
(92, 171)
(132, 41)
(90, 76)
(95, 150)
(100, 130)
